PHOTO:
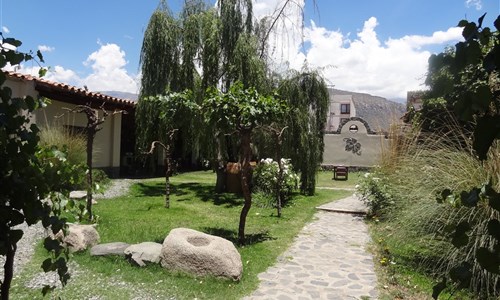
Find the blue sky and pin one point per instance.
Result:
(379, 47)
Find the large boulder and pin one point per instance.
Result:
(116, 248)
(81, 237)
(140, 254)
(200, 254)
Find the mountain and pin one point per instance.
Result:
(377, 111)
(122, 95)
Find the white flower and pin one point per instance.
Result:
(367, 175)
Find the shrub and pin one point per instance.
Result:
(265, 179)
(373, 190)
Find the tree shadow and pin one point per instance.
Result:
(232, 235)
(149, 190)
(184, 192)
(205, 193)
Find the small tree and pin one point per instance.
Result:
(169, 166)
(93, 126)
(241, 111)
(158, 120)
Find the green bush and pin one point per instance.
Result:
(373, 190)
(265, 179)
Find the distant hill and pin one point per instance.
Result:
(122, 95)
(377, 111)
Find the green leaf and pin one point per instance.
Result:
(488, 260)
(47, 265)
(13, 42)
(460, 237)
(47, 289)
(494, 229)
(14, 58)
(481, 99)
(462, 23)
(42, 72)
(15, 235)
(40, 56)
(486, 131)
(443, 195)
(462, 274)
(497, 23)
(480, 20)
(473, 53)
(470, 31)
(471, 198)
(438, 288)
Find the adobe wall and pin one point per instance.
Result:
(361, 148)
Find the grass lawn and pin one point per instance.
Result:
(325, 179)
(140, 216)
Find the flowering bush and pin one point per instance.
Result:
(374, 192)
(265, 178)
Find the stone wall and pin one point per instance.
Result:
(353, 144)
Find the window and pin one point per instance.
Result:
(345, 108)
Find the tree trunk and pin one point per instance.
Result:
(90, 146)
(279, 181)
(8, 271)
(220, 184)
(168, 168)
(245, 135)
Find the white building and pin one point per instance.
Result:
(341, 108)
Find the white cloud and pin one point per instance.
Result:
(45, 48)
(478, 4)
(5, 29)
(365, 64)
(109, 73)
(60, 74)
(361, 63)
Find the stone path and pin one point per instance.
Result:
(327, 260)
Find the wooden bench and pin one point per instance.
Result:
(340, 172)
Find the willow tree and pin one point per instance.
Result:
(160, 53)
(307, 97)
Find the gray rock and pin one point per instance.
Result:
(200, 254)
(81, 237)
(78, 194)
(117, 248)
(140, 254)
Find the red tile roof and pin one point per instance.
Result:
(71, 94)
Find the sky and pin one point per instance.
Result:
(377, 47)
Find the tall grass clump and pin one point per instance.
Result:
(414, 169)
(62, 137)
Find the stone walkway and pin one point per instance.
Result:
(327, 260)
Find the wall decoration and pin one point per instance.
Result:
(352, 145)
